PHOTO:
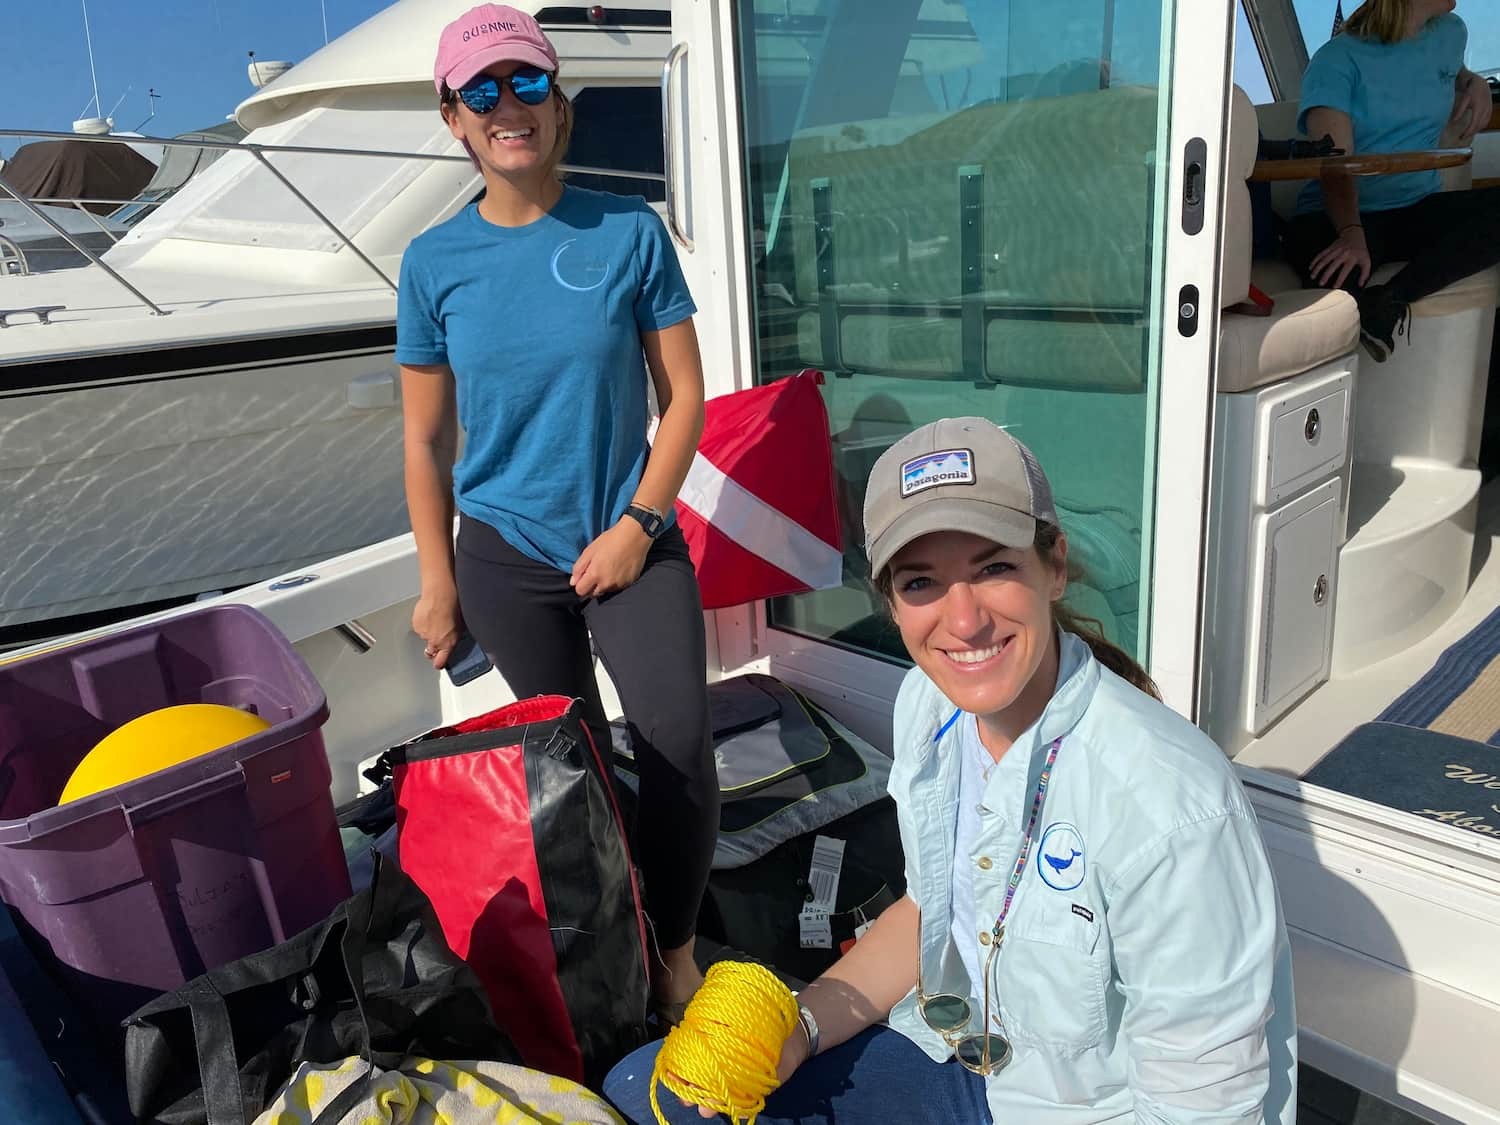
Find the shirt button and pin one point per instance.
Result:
(985, 863)
(984, 937)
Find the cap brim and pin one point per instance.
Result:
(999, 524)
(478, 62)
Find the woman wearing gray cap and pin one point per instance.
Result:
(1090, 932)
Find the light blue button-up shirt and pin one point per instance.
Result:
(1145, 973)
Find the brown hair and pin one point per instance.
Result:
(1087, 629)
(1384, 20)
(447, 97)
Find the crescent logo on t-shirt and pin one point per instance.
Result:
(575, 272)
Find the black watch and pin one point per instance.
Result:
(653, 523)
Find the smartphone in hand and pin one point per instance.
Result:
(467, 661)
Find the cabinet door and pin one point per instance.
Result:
(1298, 553)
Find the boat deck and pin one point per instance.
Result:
(1296, 743)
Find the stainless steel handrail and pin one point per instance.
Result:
(259, 152)
(38, 213)
(669, 158)
(313, 150)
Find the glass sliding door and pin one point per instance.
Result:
(954, 207)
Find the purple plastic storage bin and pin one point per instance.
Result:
(141, 887)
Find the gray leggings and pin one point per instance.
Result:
(650, 637)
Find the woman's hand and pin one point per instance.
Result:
(1344, 257)
(436, 620)
(794, 1052)
(612, 561)
(1472, 107)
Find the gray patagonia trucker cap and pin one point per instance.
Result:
(955, 474)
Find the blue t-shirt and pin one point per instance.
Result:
(542, 326)
(1399, 97)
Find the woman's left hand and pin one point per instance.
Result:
(1472, 108)
(612, 561)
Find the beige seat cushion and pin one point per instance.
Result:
(1478, 291)
(1308, 327)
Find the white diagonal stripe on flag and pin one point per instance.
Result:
(759, 528)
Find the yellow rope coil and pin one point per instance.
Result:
(724, 1052)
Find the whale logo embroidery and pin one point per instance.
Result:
(589, 269)
(1060, 860)
(1060, 865)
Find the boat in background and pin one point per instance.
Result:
(216, 400)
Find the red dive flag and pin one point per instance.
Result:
(758, 508)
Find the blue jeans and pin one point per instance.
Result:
(876, 1078)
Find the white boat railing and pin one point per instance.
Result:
(261, 153)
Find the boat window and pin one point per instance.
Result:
(238, 201)
(1318, 19)
(953, 209)
(1249, 67)
(1484, 39)
(618, 127)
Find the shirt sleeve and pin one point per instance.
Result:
(419, 332)
(663, 299)
(1196, 932)
(1330, 81)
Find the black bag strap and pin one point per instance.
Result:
(218, 1066)
(349, 1097)
(377, 917)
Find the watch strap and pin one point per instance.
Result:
(652, 522)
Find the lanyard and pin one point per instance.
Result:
(1036, 812)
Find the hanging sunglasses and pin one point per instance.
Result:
(530, 84)
(949, 1014)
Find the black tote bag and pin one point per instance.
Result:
(374, 979)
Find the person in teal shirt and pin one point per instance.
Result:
(1091, 931)
(533, 321)
(1393, 80)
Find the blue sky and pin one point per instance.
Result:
(192, 51)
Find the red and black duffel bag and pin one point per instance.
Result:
(508, 824)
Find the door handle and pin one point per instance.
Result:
(669, 166)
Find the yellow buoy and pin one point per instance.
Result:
(156, 740)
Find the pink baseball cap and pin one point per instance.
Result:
(486, 35)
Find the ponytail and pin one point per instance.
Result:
(1088, 629)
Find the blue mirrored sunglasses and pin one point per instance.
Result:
(531, 85)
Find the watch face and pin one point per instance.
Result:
(649, 521)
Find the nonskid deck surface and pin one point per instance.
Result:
(1317, 724)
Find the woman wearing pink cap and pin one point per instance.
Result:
(530, 319)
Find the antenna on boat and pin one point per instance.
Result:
(92, 125)
(88, 36)
(323, 6)
(151, 96)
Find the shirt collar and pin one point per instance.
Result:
(1077, 677)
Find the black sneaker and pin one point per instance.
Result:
(1382, 317)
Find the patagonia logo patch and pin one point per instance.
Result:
(946, 466)
(1083, 912)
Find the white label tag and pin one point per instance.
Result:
(814, 930)
(860, 931)
(823, 877)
